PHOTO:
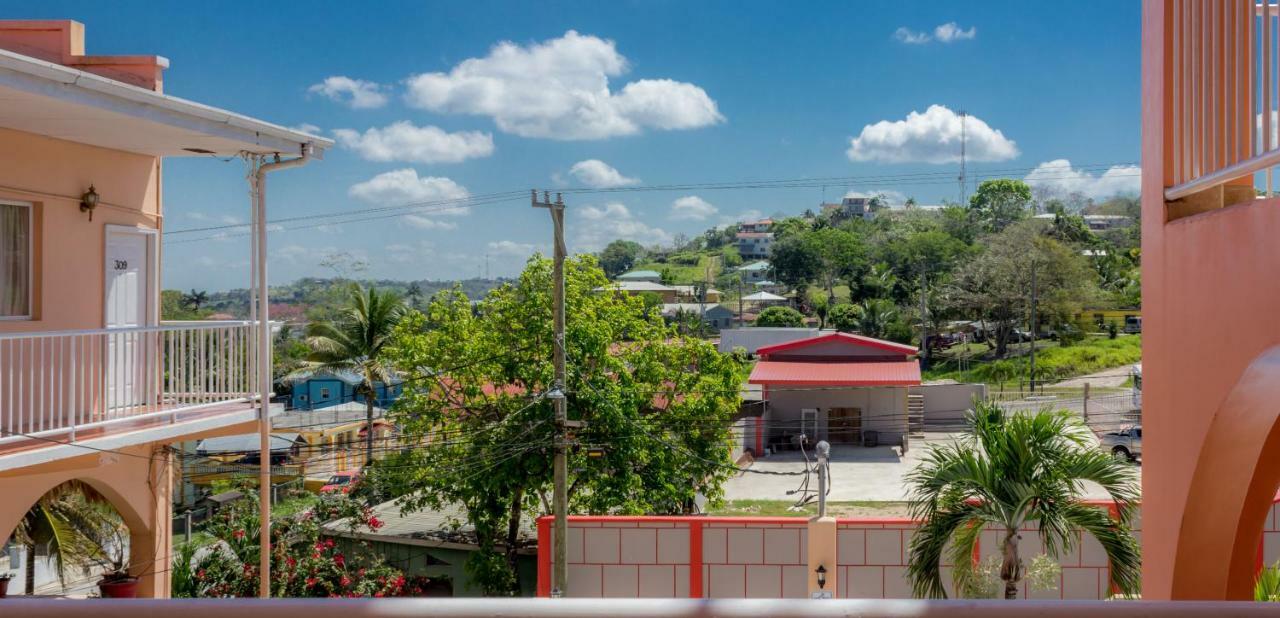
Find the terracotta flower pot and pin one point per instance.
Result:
(4, 587)
(119, 588)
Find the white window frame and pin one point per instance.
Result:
(31, 262)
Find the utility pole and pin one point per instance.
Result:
(560, 493)
(739, 299)
(924, 320)
(1033, 324)
(964, 186)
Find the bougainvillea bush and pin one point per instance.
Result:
(305, 562)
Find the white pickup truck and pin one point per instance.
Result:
(1125, 444)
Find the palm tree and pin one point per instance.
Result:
(357, 342)
(72, 521)
(1015, 469)
(874, 317)
(194, 299)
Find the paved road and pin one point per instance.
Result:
(857, 473)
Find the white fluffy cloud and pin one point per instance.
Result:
(597, 226)
(406, 187)
(1058, 176)
(951, 31)
(403, 141)
(931, 137)
(512, 248)
(559, 89)
(409, 253)
(597, 174)
(692, 208)
(943, 33)
(354, 93)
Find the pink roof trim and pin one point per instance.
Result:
(849, 338)
(789, 373)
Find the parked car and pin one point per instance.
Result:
(1125, 444)
(340, 481)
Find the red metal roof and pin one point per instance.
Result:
(896, 373)
(859, 340)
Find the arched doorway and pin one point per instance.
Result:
(1234, 485)
(66, 541)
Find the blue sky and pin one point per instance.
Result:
(648, 93)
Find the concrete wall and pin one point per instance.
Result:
(69, 249)
(764, 557)
(884, 409)
(947, 403)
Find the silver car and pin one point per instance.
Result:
(1126, 444)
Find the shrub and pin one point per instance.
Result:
(780, 316)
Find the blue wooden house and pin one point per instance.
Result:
(321, 389)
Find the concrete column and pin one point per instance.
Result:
(822, 553)
(151, 549)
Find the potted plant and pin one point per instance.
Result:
(110, 538)
(4, 584)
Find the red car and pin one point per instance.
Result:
(341, 481)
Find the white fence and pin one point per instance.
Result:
(69, 381)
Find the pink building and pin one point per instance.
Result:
(93, 385)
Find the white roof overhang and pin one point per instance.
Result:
(60, 102)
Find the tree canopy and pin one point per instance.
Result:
(656, 408)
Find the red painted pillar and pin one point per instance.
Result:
(544, 556)
(695, 560)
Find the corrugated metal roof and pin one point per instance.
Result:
(245, 443)
(896, 373)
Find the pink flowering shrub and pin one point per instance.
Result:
(305, 562)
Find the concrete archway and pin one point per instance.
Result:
(1235, 481)
(138, 483)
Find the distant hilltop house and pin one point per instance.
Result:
(713, 315)
(756, 271)
(631, 288)
(1096, 223)
(689, 294)
(851, 208)
(324, 388)
(650, 276)
(754, 245)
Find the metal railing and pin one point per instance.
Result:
(622, 608)
(68, 381)
(1220, 71)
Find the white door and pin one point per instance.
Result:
(127, 286)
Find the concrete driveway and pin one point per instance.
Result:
(857, 473)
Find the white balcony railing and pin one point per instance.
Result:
(70, 381)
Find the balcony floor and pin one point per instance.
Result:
(163, 427)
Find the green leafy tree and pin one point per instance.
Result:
(996, 285)
(998, 203)
(357, 341)
(840, 255)
(795, 261)
(1011, 471)
(876, 318)
(657, 406)
(620, 256)
(844, 318)
(173, 306)
(780, 317)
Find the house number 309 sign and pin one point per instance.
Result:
(122, 264)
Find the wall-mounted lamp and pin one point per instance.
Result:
(822, 576)
(89, 201)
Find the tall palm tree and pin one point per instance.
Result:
(195, 298)
(1015, 469)
(874, 317)
(356, 341)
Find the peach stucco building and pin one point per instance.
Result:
(93, 386)
(1209, 272)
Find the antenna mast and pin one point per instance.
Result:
(963, 138)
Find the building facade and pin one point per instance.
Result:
(95, 385)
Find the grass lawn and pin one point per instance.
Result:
(782, 508)
(1053, 362)
(685, 274)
